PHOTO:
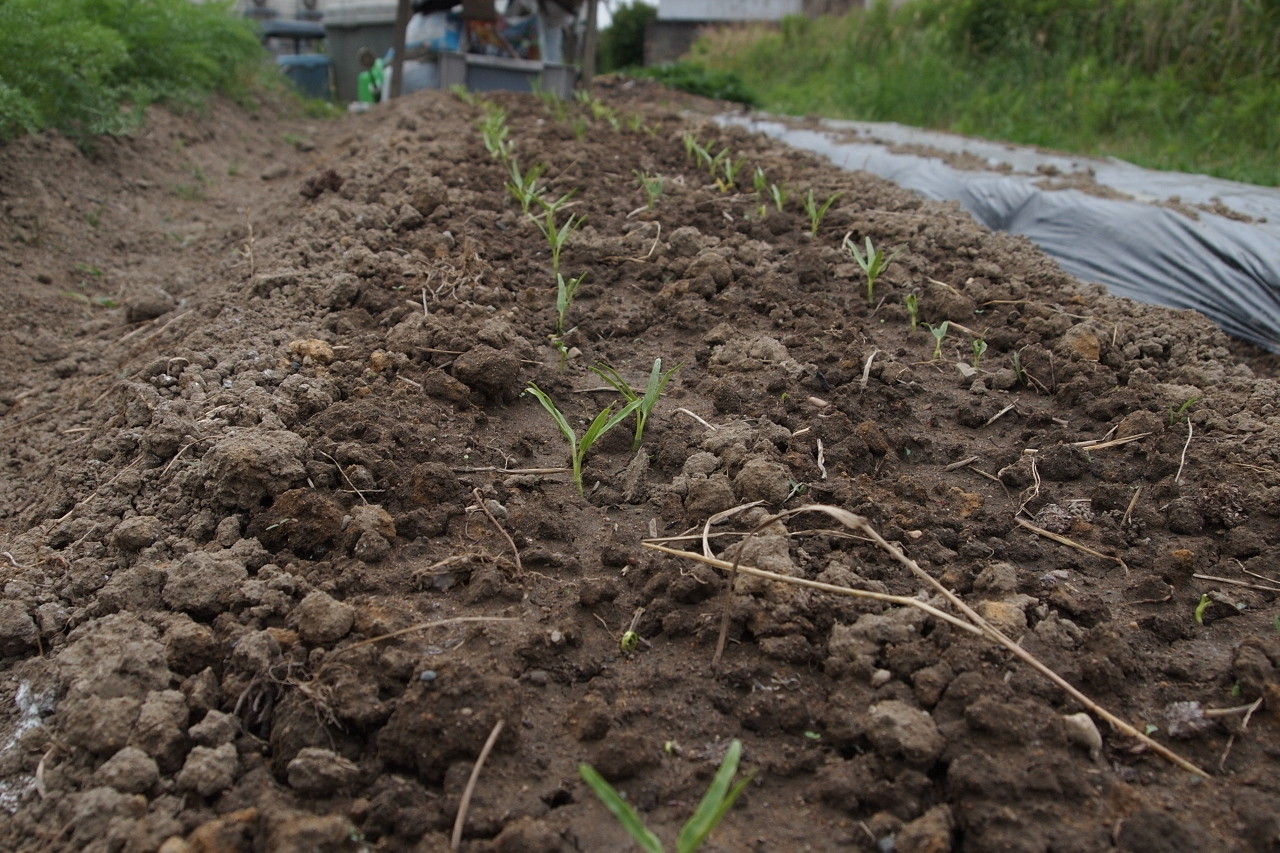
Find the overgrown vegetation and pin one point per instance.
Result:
(1164, 83)
(622, 42)
(696, 79)
(87, 67)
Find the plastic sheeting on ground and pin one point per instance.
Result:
(1228, 270)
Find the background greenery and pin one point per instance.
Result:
(92, 66)
(622, 42)
(1171, 84)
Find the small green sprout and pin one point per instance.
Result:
(578, 447)
(1180, 414)
(601, 110)
(939, 332)
(89, 269)
(524, 188)
(578, 125)
(467, 97)
(1205, 601)
(873, 263)
(630, 641)
(1235, 690)
(565, 291)
(657, 384)
(556, 237)
(760, 183)
(979, 347)
(691, 147)
(729, 168)
(550, 100)
(652, 186)
(1276, 623)
(780, 195)
(1149, 729)
(494, 131)
(561, 347)
(714, 806)
(813, 736)
(913, 310)
(1017, 369)
(816, 213)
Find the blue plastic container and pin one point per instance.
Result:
(308, 71)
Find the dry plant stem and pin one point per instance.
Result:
(1178, 477)
(900, 600)
(465, 804)
(1071, 543)
(866, 370)
(1128, 513)
(489, 469)
(1103, 444)
(998, 415)
(857, 522)
(344, 476)
(248, 248)
(709, 426)
(505, 535)
(422, 626)
(956, 466)
(1244, 584)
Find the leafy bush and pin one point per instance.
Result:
(88, 67)
(699, 80)
(1164, 83)
(622, 42)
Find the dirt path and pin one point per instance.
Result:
(228, 463)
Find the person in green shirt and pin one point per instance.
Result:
(369, 81)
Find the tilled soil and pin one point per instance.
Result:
(259, 416)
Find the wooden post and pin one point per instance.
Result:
(403, 12)
(590, 44)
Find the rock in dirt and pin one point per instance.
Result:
(136, 533)
(1083, 732)
(147, 304)
(130, 771)
(707, 497)
(190, 647)
(321, 772)
(310, 834)
(160, 730)
(17, 629)
(491, 372)
(215, 729)
(762, 480)
(896, 727)
(250, 465)
(205, 584)
(323, 620)
(209, 771)
(313, 348)
(929, 833)
(527, 835)
(103, 815)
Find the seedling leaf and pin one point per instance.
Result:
(1205, 601)
(715, 803)
(621, 810)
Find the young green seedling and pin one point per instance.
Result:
(556, 237)
(1181, 412)
(715, 804)
(729, 168)
(565, 291)
(550, 100)
(691, 148)
(494, 130)
(652, 186)
(467, 97)
(524, 188)
(979, 347)
(657, 384)
(578, 447)
(578, 125)
(1018, 372)
(760, 183)
(913, 310)
(873, 263)
(815, 212)
(939, 332)
(1205, 601)
(780, 195)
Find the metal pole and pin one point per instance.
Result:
(403, 12)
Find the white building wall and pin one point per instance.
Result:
(727, 10)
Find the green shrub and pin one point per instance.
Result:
(88, 67)
(622, 42)
(698, 80)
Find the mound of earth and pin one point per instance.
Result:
(283, 540)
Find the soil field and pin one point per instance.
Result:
(261, 407)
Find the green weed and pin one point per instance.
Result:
(939, 332)
(657, 384)
(913, 310)
(578, 447)
(524, 187)
(873, 263)
(979, 348)
(565, 292)
(715, 804)
(652, 186)
(816, 212)
(557, 237)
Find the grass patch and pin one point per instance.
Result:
(1162, 83)
(723, 84)
(89, 67)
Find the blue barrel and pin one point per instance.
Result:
(308, 71)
